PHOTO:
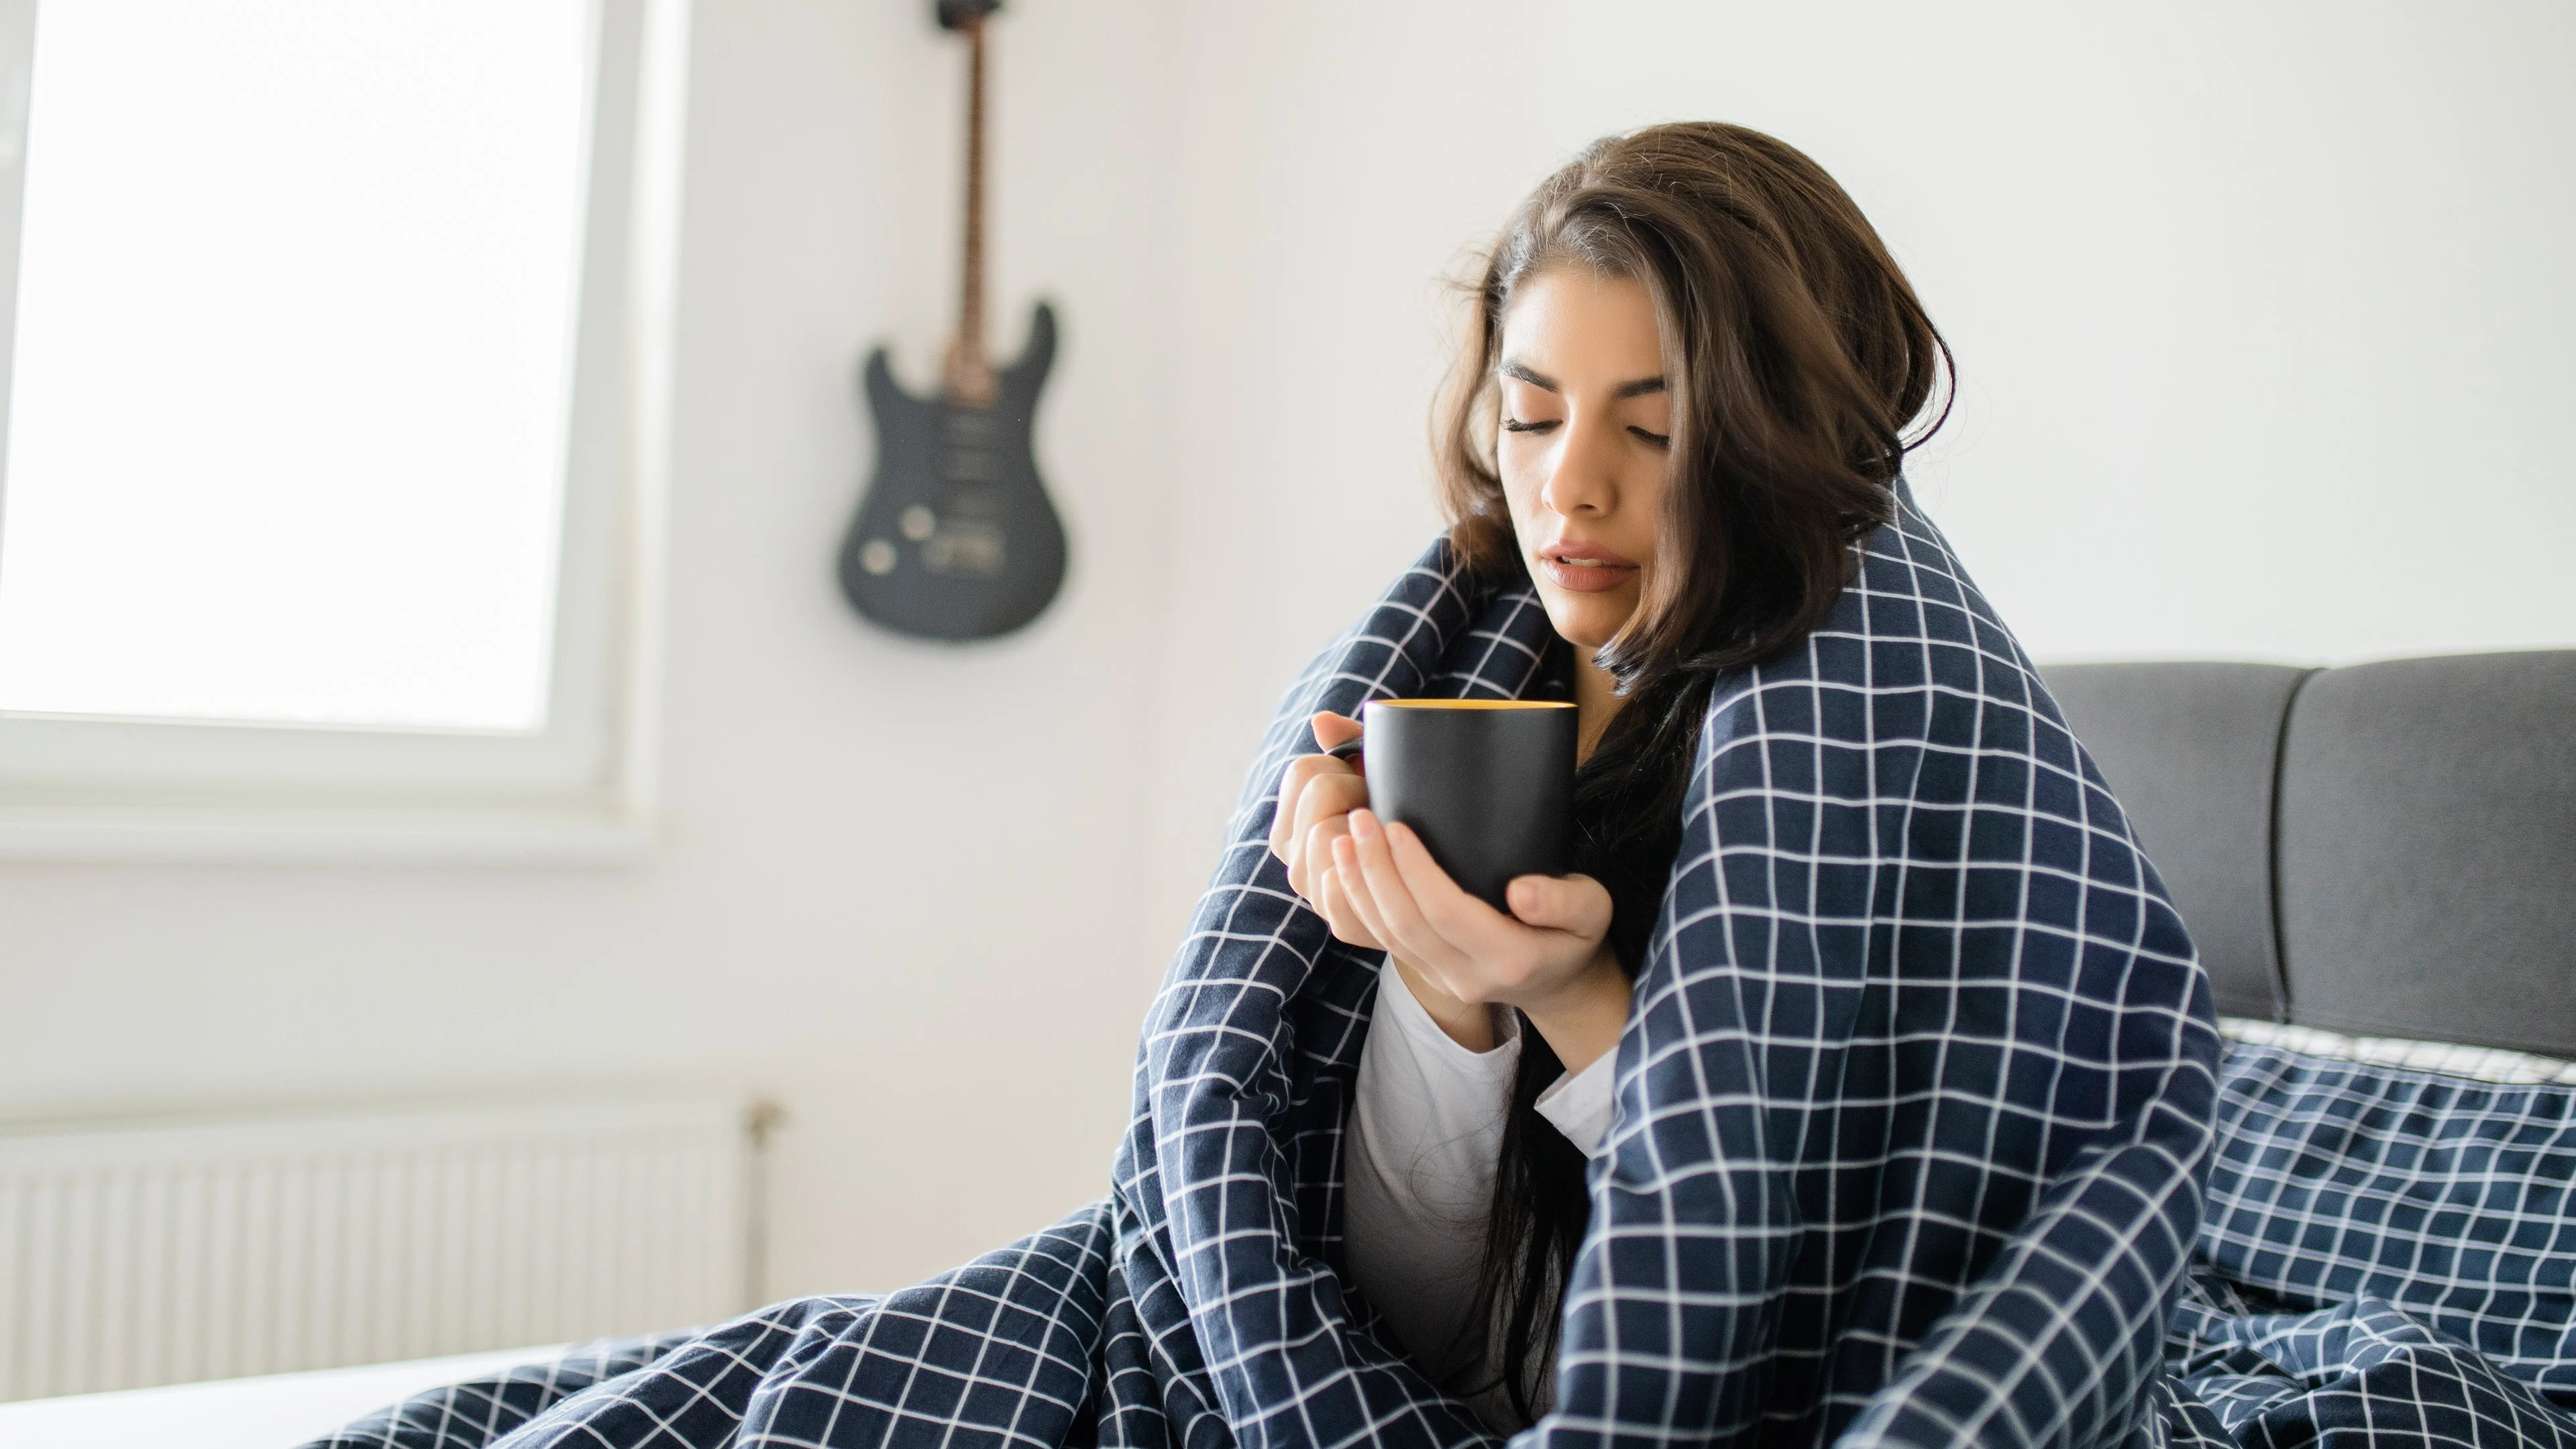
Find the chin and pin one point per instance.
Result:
(1586, 625)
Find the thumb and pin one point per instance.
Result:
(1575, 904)
(1332, 729)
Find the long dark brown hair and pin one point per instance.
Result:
(1796, 357)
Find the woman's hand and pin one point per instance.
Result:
(1379, 888)
(1316, 797)
(1553, 961)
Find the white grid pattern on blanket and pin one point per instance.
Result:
(2449, 1198)
(1909, 1108)
(1749, 913)
(1278, 1337)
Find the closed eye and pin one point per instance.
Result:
(1515, 425)
(1660, 440)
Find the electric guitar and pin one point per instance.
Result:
(955, 538)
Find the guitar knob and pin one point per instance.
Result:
(919, 523)
(877, 556)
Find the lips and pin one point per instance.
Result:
(1585, 568)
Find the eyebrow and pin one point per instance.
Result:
(1642, 387)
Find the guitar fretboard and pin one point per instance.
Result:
(970, 371)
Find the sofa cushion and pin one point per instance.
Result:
(2427, 839)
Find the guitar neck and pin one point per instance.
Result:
(970, 369)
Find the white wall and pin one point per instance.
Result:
(2261, 311)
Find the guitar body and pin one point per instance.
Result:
(956, 538)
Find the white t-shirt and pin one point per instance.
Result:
(1418, 1182)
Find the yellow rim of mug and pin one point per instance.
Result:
(1472, 703)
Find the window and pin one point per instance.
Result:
(336, 332)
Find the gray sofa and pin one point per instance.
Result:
(2383, 849)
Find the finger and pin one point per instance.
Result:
(1333, 729)
(1498, 952)
(1283, 811)
(1291, 813)
(1315, 853)
(1466, 922)
(1405, 929)
(1340, 907)
(1346, 868)
(1327, 800)
(1326, 902)
(1330, 794)
(1575, 904)
(1293, 781)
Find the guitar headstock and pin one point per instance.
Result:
(958, 14)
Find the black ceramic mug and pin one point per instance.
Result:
(1487, 783)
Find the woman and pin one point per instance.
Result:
(1855, 1088)
(1692, 301)
(1681, 404)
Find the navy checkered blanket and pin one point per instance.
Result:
(1913, 1112)
(2387, 1258)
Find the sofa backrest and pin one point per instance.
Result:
(2193, 753)
(2385, 849)
(2428, 850)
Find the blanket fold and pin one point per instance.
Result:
(1919, 1082)
(1912, 1112)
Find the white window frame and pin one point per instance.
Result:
(580, 789)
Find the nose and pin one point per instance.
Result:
(1583, 479)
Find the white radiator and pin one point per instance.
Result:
(140, 1255)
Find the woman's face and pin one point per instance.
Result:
(1585, 443)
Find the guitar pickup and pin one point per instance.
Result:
(973, 429)
(964, 548)
(970, 466)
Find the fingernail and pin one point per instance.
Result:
(1363, 824)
